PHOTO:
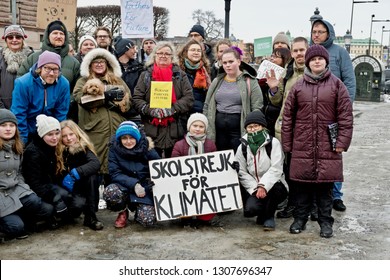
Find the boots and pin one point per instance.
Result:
(121, 220)
(93, 223)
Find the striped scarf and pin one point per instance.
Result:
(196, 143)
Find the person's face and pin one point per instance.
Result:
(220, 51)
(14, 42)
(131, 52)
(57, 38)
(103, 39)
(69, 138)
(149, 46)
(230, 64)
(253, 127)
(86, 46)
(52, 138)
(71, 51)
(197, 128)
(196, 36)
(279, 45)
(128, 141)
(50, 72)
(99, 66)
(164, 57)
(298, 51)
(7, 130)
(317, 64)
(277, 59)
(194, 53)
(319, 34)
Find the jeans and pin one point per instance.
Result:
(337, 194)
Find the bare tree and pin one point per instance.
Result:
(160, 22)
(213, 27)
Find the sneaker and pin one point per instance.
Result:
(121, 220)
(102, 204)
(297, 226)
(326, 230)
(338, 205)
(269, 224)
(286, 212)
(22, 236)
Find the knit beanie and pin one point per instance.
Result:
(281, 37)
(316, 50)
(199, 29)
(197, 117)
(255, 117)
(45, 124)
(148, 39)
(122, 45)
(14, 30)
(49, 57)
(7, 116)
(128, 128)
(85, 38)
(56, 25)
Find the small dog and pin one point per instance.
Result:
(93, 94)
(94, 87)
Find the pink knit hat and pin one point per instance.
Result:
(49, 57)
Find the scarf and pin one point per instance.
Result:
(202, 78)
(196, 143)
(164, 75)
(14, 59)
(314, 76)
(257, 139)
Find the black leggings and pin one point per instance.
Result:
(227, 131)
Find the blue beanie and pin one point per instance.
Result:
(128, 128)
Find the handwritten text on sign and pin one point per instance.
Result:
(195, 185)
(137, 18)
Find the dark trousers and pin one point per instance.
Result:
(164, 153)
(265, 207)
(227, 131)
(322, 193)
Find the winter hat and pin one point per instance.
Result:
(56, 25)
(197, 117)
(45, 124)
(199, 29)
(281, 37)
(255, 117)
(87, 37)
(48, 57)
(14, 30)
(316, 50)
(7, 116)
(128, 128)
(148, 39)
(122, 45)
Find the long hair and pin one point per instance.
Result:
(183, 54)
(82, 137)
(17, 147)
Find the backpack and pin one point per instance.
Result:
(244, 146)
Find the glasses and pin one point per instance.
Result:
(49, 70)
(11, 37)
(99, 62)
(320, 32)
(195, 50)
(160, 54)
(252, 127)
(102, 36)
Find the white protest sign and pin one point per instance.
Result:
(137, 18)
(266, 66)
(195, 185)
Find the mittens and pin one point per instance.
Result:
(139, 190)
(68, 182)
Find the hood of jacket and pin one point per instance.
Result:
(112, 62)
(329, 41)
(46, 45)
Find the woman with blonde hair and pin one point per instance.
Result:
(80, 176)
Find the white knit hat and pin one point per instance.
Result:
(197, 117)
(46, 124)
(85, 38)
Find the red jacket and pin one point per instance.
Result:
(310, 107)
(181, 148)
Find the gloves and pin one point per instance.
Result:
(155, 113)
(70, 179)
(166, 112)
(236, 166)
(114, 94)
(161, 113)
(139, 190)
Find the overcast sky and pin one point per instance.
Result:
(250, 19)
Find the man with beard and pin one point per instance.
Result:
(103, 38)
(147, 47)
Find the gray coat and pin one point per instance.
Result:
(12, 185)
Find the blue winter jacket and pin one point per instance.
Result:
(31, 97)
(340, 63)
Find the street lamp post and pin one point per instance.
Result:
(315, 17)
(227, 17)
(358, 2)
(347, 41)
(374, 20)
(383, 30)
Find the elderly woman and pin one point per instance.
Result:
(103, 97)
(86, 44)
(44, 90)
(164, 125)
(11, 57)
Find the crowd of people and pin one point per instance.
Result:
(74, 120)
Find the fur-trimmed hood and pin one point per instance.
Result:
(112, 62)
